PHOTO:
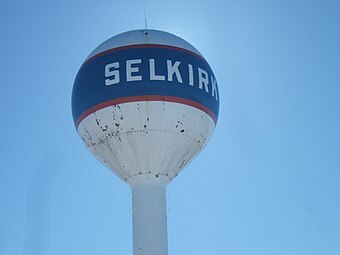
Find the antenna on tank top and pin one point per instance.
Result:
(145, 18)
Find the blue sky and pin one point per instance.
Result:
(267, 183)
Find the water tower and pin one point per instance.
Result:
(145, 103)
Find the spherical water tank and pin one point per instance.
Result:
(145, 103)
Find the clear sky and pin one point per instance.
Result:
(267, 183)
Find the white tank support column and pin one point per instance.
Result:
(149, 218)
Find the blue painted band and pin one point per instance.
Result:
(90, 88)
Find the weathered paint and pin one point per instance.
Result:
(146, 137)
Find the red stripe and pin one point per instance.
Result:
(135, 46)
(146, 98)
